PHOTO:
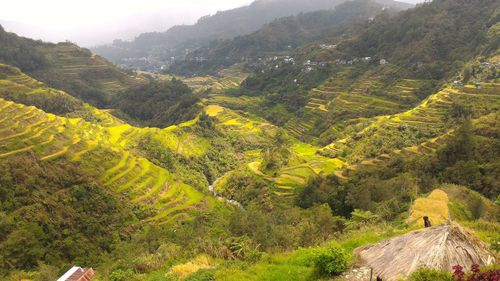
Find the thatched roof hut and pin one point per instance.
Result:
(439, 247)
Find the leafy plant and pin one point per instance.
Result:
(427, 274)
(476, 274)
(331, 261)
(121, 275)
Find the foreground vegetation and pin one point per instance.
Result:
(272, 171)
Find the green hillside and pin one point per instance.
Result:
(160, 47)
(270, 169)
(53, 138)
(282, 36)
(94, 80)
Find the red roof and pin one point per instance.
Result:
(80, 274)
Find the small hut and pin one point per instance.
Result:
(440, 247)
(77, 273)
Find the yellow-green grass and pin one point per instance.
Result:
(234, 102)
(225, 79)
(71, 63)
(434, 206)
(298, 265)
(180, 141)
(250, 129)
(428, 119)
(99, 152)
(318, 163)
(182, 271)
(213, 110)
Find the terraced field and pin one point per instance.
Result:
(322, 96)
(416, 131)
(52, 138)
(175, 138)
(372, 94)
(229, 78)
(305, 163)
(250, 130)
(21, 88)
(347, 95)
(71, 63)
(301, 127)
(13, 81)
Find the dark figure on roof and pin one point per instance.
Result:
(427, 222)
(379, 278)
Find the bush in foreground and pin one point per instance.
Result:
(427, 274)
(331, 261)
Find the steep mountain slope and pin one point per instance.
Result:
(280, 37)
(153, 50)
(49, 165)
(361, 83)
(286, 162)
(432, 39)
(66, 66)
(94, 80)
(50, 137)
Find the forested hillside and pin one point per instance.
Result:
(281, 37)
(152, 51)
(94, 80)
(277, 168)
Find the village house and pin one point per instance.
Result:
(77, 273)
(289, 60)
(327, 46)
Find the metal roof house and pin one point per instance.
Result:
(77, 273)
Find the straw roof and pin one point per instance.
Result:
(434, 206)
(439, 247)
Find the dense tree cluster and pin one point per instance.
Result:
(53, 214)
(433, 40)
(159, 103)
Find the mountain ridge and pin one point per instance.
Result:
(263, 170)
(223, 25)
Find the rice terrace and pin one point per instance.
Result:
(287, 140)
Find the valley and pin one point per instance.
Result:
(255, 157)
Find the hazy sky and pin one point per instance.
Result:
(90, 22)
(93, 22)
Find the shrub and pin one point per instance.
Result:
(202, 275)
(122, 275)
(490, 275)
(331, 261)
(427, 274)
(476, 274)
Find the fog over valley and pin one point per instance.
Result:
(90, 23)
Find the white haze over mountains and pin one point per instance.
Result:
(94, 22)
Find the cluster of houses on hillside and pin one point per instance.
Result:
(275, 62)
(310, 65)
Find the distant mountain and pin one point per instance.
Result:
(433, 39)
(281, 37)
(152, 50)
